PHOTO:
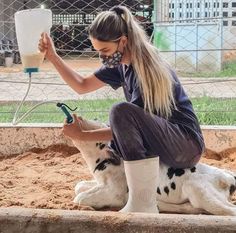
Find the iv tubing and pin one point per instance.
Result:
(15, 121)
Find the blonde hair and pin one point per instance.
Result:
(154, 75)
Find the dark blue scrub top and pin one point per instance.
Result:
(124, 76)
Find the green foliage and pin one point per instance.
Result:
(215, 111)
(210, 111)
(228, 70)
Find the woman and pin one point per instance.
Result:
(157, 121)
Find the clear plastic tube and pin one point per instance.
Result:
(16, 121)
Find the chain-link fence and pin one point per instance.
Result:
(196, 37)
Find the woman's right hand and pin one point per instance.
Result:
(46, 46)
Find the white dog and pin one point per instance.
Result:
(201, 189)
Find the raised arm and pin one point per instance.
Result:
(77, 82)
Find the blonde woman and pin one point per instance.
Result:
(156, 122)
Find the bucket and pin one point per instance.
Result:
(30, 24)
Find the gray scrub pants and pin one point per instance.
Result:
(138, 135)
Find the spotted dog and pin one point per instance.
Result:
(200, 189)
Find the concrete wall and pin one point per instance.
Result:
(15, 140)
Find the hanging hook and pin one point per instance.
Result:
(62, 104)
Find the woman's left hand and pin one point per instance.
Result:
(73, 130)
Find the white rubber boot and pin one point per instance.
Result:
(142, 179)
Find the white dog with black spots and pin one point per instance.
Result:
(200, 189)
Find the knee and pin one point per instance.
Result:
(120, 112)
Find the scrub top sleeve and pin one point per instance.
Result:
(111, 76)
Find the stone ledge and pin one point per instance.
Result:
(23, 137)
(73, 221)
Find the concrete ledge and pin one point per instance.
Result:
(15, 220)
(218, 138)
(23, 137)
(17, 139)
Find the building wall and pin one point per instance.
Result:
(190, 47)
(189, 9)
(180, 22)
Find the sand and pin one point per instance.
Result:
(78, 63)
(45, 178)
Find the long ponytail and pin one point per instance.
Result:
(154, 76)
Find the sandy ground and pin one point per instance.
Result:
(45, 178)
(83, 63)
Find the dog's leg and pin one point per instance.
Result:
(202, 193)
(185, 208)
(84, 186)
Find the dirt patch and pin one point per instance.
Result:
(81, 63)
(224, 159)
(42, 178)
(45, 178)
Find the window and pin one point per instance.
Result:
(218, 4)
(198, 5)
(170, 5)
(169, 15)
(214, 14)
(180, 14)
(180, 5)
(191, 14)
(198, 14)
(205, 14)
(173, 15)
(225, 14)
(225, 4)
(233, 13)
(225, 23)
(233, 4)
(206, 5)
(187, 5)
(187, 15)
(214, 4)
(173, 5)
(218, 13)
(234, 23)
(89, 18)
(191, 5)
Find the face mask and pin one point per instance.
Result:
(113, 60)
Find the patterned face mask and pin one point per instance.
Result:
(113, 60)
